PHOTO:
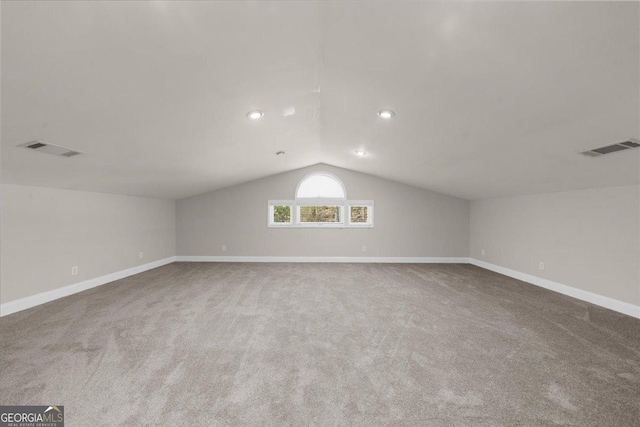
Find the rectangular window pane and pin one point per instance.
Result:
(320, 214)
(360, 214)
(281, 214)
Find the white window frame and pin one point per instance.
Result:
(345, 213)
(364, 203)
(342, 203)
(273, 203)
(327, 174)
(320, 202)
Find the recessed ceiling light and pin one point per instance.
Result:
(361, 153)
(280, 153)
(386, 114)
(255, 115)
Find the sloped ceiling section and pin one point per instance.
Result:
(491, 99)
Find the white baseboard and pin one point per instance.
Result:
(34, 300)
(44, 297)
(602, 301)
(404, 260)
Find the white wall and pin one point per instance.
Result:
(409, 222)
(587, 239)
(47, 231)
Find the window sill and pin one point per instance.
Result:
(320, 226)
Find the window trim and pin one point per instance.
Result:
(273, 203)
(343, 203)
(364, 203)
(345, 207)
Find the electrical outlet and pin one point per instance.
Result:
(364, 249)
(224, 248)
(541, 266)
(484, 252)
(74, 271)
(141, 255)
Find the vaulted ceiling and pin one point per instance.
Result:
(491, 99)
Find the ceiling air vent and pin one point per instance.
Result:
(631, 143)
(618, 146)
(56, 150)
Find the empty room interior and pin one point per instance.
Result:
(329, 213)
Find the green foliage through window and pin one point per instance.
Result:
(281, 214)
(320, 214)
(359, 214)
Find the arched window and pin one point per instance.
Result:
(319, 186)
(320, 201)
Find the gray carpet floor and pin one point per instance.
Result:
(205, 344)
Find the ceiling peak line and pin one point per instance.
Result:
(322, 15)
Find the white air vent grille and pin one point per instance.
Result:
(56, 150)
(608, 149)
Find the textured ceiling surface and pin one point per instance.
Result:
(491, 99)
